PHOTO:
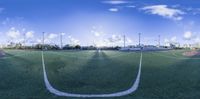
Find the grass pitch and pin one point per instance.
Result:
(165, 75)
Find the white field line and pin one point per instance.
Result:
(173, 56)
(54, 91)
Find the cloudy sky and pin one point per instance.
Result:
(100, 22)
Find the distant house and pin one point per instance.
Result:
(172, 46)
(144, 48)
(192, 46)
(130, 49)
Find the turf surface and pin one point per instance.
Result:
(165, 75)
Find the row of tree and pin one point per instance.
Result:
(56, 47)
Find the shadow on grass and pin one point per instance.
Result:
(100, 75)
(89, 75)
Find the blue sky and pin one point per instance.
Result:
(100, 22)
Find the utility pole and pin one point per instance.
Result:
(124, 41)
(61, 42)
(42, 40)
(139, 39)
(158, 40)
(24, 41)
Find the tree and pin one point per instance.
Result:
(18, 46)
(67, 47)
(38, 46)
(77, 47)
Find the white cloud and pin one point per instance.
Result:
(97, 31)
(131, 6)
(172, 40)
(20, 40)
(166, 40)
(62, 34)
(100, 43)
(188, 35)
(24, 29)
(69, 36)
(117, 40)
(19, 35)
(197, 39)
(164, 11)
(116, 2)
(73, 41)
(94, 27)
(52, 36)
(38, 41)
(128, 40)
(29, 34)
(13, 33)
(97, 34)
(49, 38)
(193, 10)
(113, 9)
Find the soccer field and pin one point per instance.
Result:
(164, 74)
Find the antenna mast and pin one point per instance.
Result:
(61, 42)
(42, 40)
(158, 40)
(24, 41)
(139, 39)
(124, 41)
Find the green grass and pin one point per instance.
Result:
(92, 72)
(165, 75)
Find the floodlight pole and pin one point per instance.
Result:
(124, 41)
(24, 41)
(139, 39)
(61, 42)
(42, 40)
(158, 40)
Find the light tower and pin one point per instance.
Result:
(158, 40)
(24, 41)
(124, 41)
(61, 42)
(42, 40)
(139, 39)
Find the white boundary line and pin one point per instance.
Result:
(54, 91)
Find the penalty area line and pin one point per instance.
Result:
(54, 91)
